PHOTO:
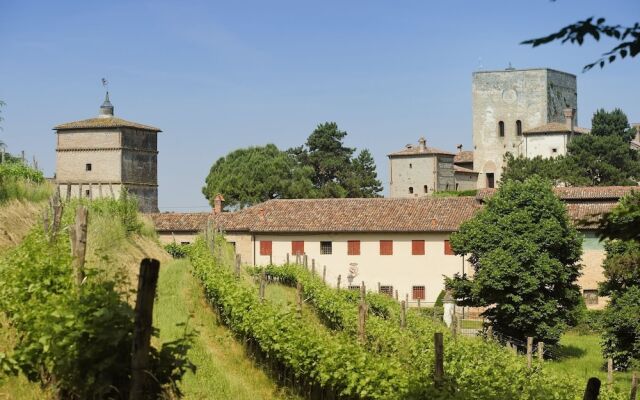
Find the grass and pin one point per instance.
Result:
(580, 356)
(224, 369)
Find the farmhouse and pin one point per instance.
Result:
(395, 243)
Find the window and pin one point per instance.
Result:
(417, 247)
(447, 248)
(410, 189)
(491, 182)
(554, 150)
(354, 287)
(386, 289)
(456, 186)
(326, 247)
(410, 165)
(590, 296)
(501, 128)
(426, 188)
(519, 128)
(87, 193)
(297, 247)
(353, 247)
(418, 292)
(266, 247)
(386, 247)
(87, 167)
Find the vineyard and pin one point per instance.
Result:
(391, 359)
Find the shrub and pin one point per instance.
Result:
(21, 182)
(177, 250)
(621, 325)
(591, 321)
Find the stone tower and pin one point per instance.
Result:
(98, 157)
(507, 103)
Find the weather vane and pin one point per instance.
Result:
(105, 83)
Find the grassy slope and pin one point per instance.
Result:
(581, 356)
(224, 370)
(16, 219)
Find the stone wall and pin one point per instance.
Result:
(414, 172)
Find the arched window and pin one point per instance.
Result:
(519, 128)
(410, 189)
(501, 128)
(426, 188)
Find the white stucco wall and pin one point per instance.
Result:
(414, 171)
(402, 270)
(543, 145)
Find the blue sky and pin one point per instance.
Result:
(216, 76)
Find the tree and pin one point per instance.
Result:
(363, 180)
(623, 222)
(525, 256)
(613, 123)
(256, 174)
(559, 170)
(629, 38)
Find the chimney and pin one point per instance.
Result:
(262, 215)
(422, 144)
(217, 204)
(569, 117)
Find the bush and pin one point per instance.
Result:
(21, 182)
(621, 325)
(591, 321)
(177, 250)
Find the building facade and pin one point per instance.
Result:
(507, 103)
(99, 157)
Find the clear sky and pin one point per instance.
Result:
(219, 75)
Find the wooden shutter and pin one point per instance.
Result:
(265, 247)
(447, 248)
(418, 293)
(297, 247)
(417, 247)
(353, 247)
(386, 247)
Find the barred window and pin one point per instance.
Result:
(326, 247)
(418, 293)
(590, 296)
(354, 287)
(386, 289)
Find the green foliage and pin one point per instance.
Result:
(76, 340)
(590, 322)
(456, 193)
(612, 123)
(525, 255)
(629, 38)
(623, 222)
(621, 323)
(21, 182)
(621, 267)
(177, 250)
(256, 174)
(19, 170)
(124, 209)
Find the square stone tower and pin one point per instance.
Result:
(507, 103)
(98, 157)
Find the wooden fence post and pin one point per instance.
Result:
(490, 332)
(78, 234)
(237, 270)
(270, 259)
(541, 351)
(396, 294)
(529, 352)
(338, 286)
(593, 389)
(262, 286)
(299, 298)
(378, 287)
(634, 386)
(58, 208)
(406, 298)
(324, 274)
(362, 313)
(610, 371)
(313, 266)
(454, 325)
(419, 303)
(287, 258)
(147, 282)
(403, 315)
(438, 375)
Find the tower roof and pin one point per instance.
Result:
(106, 109)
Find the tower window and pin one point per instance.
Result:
(501, 128)
(410, 189)
(426, 188)
(87, 167)
(490, 180)
(87, 193)
(519, 128)
(410, 165)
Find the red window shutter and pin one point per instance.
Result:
(386, 247)
(353, 247)
(265, 247)
(418, 293)
(447, 248)
(297, 247)
(417, 247)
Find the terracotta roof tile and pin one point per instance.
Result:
(110, 122)
(179, 222)
(555, 127)
(457, 168)
(413, 150)
(578, 192)
(463, 157)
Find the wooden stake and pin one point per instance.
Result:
(634, 386)
(324, 274)
(313, 266)
(529, 352)
(299, 298)
(541, 351)
(305, 261)
(147, 282)
(68, 192)
(438, 375)
(362, 313)
(287, 258)
(403, 314)
(418, 302)
(79, 242)
(262, 287)
(270, 259)
(592, 390)
(338, 286)
(237, 269)
(490, 333)
(378, 287)
(454, 325)
(396, 294)
(610, 371)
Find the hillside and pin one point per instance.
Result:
(16, 220)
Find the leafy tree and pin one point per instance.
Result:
(525, 256)
(256, 174)
(621, 324)
(363, 179)
(621, 267)
(612, 123)
(629, 38)
(623, 222)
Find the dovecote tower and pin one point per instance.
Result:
(99, 157)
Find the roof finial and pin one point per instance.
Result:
(510, 67)
(106, 109)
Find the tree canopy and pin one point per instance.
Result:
(525, 257)
(323, 167)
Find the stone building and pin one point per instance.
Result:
(100, 156)
(417, 171)
(505, 104)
